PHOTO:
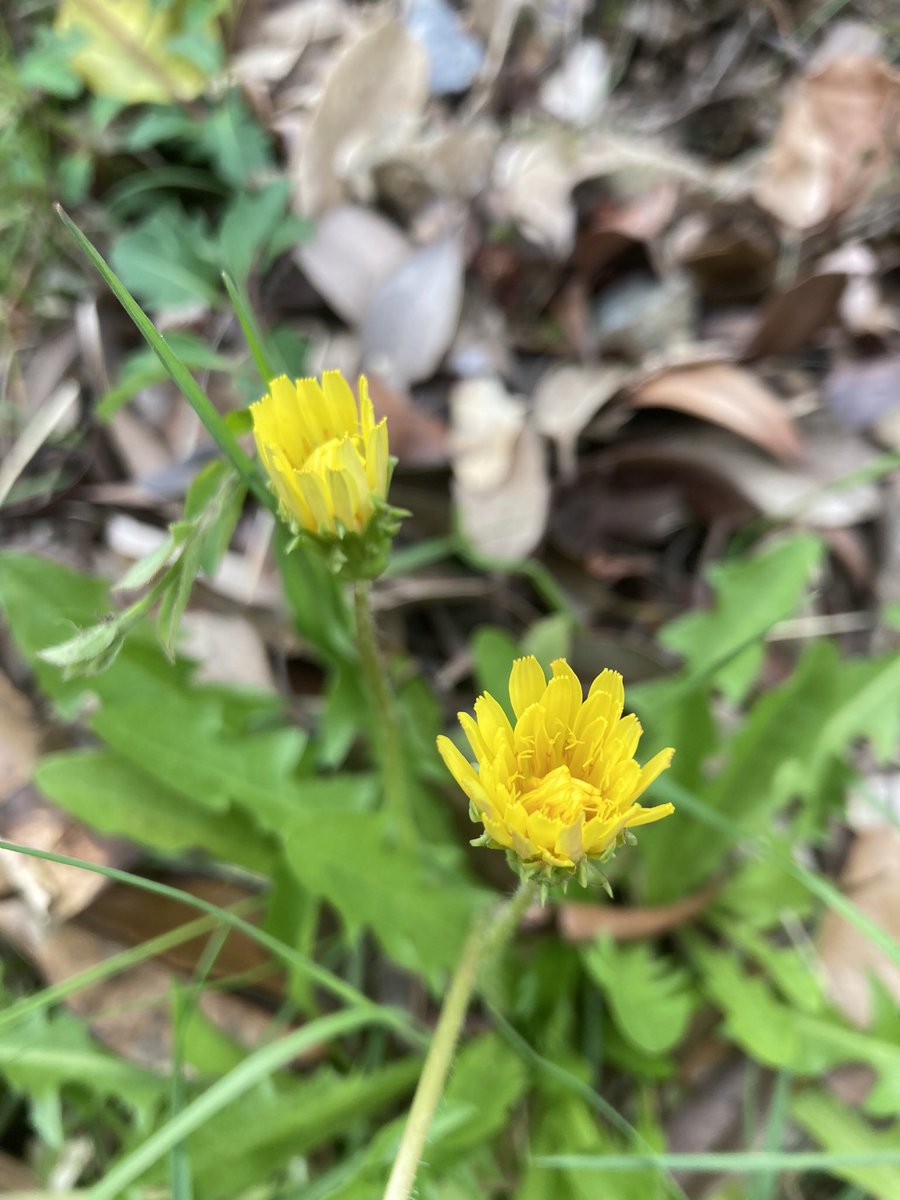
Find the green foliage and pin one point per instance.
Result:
(838, 1128)
(376, 883)
(649, 997)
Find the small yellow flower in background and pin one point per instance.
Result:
(327, 459)
(560, 787)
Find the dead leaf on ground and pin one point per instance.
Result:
(838, 135)
(728, 396)
(273, 40)
(352, 251)
(505, 523)
(532, 187)
(412, 317)
(418, 439)
(565, 400)
(228, 649)
(584, 922)
(486, 422)
(47, 887)
(373, 99)
(19, 739)
(871, 879)
(790, 320)
(576, 91)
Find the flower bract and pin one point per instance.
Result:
(327, 460)
(559, 786)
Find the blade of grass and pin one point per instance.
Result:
(213, 422)
(399, 1021)
(741, 1162)
(255, 1068)
(252, 333)
(668, 789)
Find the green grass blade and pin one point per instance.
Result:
(400, 1021)
(255, 1068)
(742, 1162)
(251, 330)
(213, 422)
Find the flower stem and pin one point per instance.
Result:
(387, 717)
(487, 936)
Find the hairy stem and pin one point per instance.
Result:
(389, 749)
(486, 937)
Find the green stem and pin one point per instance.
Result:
(387, 717)
(487, 936)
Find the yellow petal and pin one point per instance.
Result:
(561, 702)
(628, 733)
(340, 403)
(473, 733)
(610, 683)
(652, 770)
(493, 723)
(461, 770)
(366, 411)
(527, 683)
(313, 414)
(316, 495)
(376, 453)
(344, 507)
(570, 842)
(646, 816)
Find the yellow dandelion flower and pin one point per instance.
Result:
(328, 463)
(560, 787)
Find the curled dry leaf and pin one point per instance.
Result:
(418, 439)
(274, 40)
(725, 395)
(373, 100)
(505, 523)
(839, 132)
(584, 922)
(792, 319)
(413, 315)
(19, 739)
(532, 187)
(576, 92)
(871, 879)
(486, 422)
(565, 400)
(352, 252)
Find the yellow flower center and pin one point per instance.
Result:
(561, 796)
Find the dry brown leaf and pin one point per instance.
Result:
(837, 137)
(861, 393)
(791, 320)
(373, 100)
(576, 92)
(584, 922)
(725, 395)
(273, 44)
(565, 400)
(418, 439)
(19, 739)
(228, 649)
(871, 879)
(413, 315)
(352, 252)
(506, 523)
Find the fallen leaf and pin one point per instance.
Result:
(19, 739)
(641, 315)
(838, 135)
(352, 252)
(278, 37)
(39, 428)
(227, 648)
(454, 56)
(532, 187)
(790, 320)
(725, 395)
(374, 96)
(506, 523)
(576, 91)
(418, 439)
(413, 315)
(871, 879)
(565, 400)
(486, 423)
(585, 922)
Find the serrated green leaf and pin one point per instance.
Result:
(115, 797)
(86, 647)
(148, 567)
(493, 654)
(236, 144)
(549, 638)
(175, 598)
(168, 260)
(840, 1129)
(419, 915)
(249, 222)
(751, 595)
(648, 996)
